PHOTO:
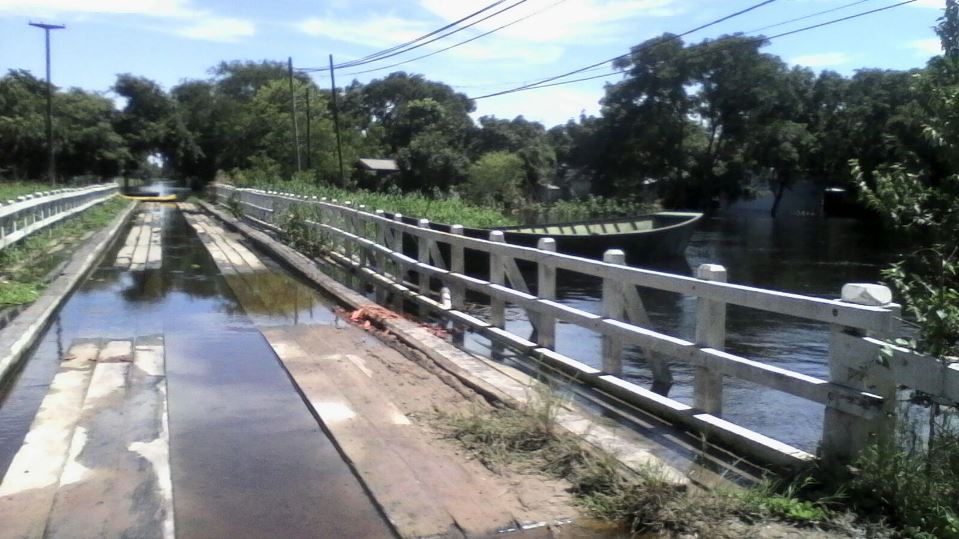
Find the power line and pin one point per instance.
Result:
(399, 50)
(422, 37)
(811, 15)
(540, 84)
(834, 21)
(484, 34)
(621, 56)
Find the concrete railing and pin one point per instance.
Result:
(27, 214)
(859, 394)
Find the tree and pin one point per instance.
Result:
(495, 179)
(526, 139)
(151, 123)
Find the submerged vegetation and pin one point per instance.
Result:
(25, 266)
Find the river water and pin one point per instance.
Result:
(812, 256)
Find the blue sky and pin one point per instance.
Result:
(173, 40)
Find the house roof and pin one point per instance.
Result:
(381, 165)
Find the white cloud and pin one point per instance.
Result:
(823, 59)
(151, 8)
(926, 47)
(219, 29)
(198, 23)
(379, 31)
(549, 106)
(568, 21)
(542, 38)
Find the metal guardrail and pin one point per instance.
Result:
(859, 396)
(34, 212)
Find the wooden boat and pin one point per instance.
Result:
(643, 238)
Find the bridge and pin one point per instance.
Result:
(190, 372)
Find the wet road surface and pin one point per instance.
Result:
(247, 458)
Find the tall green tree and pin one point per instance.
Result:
(151, 124)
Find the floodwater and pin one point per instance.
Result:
(248, 459)
(812, 256)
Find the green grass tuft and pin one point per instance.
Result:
(25, 265)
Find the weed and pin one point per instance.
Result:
(913, 480)
(644, 500)
(25, 265)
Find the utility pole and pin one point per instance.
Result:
(51, 168)
(309, 138)
(296, 127)
(336, 121)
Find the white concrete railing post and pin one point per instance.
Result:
(614, 307)
(362, 230)
(379, 256)
(710, 333)
(457, 289)
(546, 289)
(853, 363)
(457, 265)
(423, 256)
(400, 274)
(497, 275)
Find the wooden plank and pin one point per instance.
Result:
(411, 510)
(117, 481)
(125, 254)
(441, 478)
(29, 487)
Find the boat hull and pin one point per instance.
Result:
(666, 240)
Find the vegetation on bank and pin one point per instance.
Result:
(26, 265)
(447, 208)
(913, 479)
(643, 501)
(12, 190)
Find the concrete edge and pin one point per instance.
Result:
(24, 330)
(464, 366)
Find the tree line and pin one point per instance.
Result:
(690, 124)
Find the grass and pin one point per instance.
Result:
(24, 266)
(451, 209)
(11, 190)
(913, 480)
(643, 501)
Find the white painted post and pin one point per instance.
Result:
(346, 224)
(845, 435)
(399, 274)
(457, 265)
(380, 258)
(423, 256)
(614, 307)
(497, 275)
(546, 289)
(360, 228)
(711, 333)
(457, 289)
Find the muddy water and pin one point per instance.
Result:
(804, 255)
(248, 459)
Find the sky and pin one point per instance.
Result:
(174, 40)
